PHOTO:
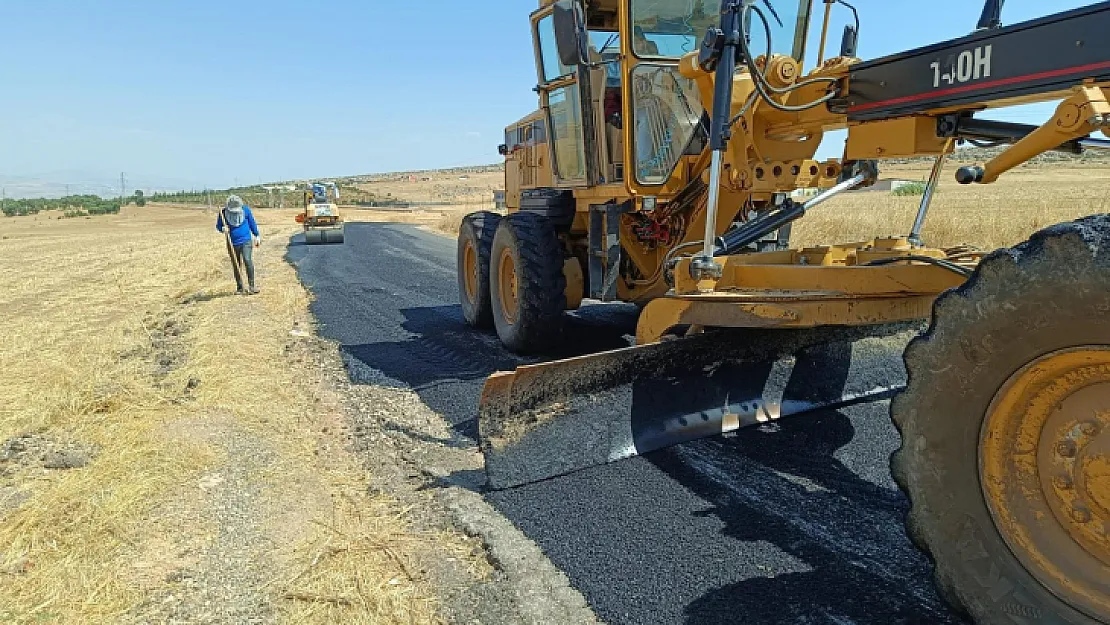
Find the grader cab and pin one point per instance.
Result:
(659, 170)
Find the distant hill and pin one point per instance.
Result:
(257, 196)
(979, 155)
(399, 175)
(57, 184)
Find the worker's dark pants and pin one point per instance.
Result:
(243, 255)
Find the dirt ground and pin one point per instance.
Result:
(173, 452)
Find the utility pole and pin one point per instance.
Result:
(4, 200)
(122, 191)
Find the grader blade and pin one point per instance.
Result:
(551, 419)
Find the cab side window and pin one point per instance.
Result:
(553, 68)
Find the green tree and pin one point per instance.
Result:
(140, 199)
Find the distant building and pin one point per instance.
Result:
(499, 199)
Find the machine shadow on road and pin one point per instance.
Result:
(788, 488)
(786, 485)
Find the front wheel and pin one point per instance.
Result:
(527, 284)
(1005, 428)
(474, 245)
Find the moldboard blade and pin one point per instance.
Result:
(550, 419)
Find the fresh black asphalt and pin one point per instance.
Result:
(799, 522)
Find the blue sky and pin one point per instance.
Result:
(212, 92)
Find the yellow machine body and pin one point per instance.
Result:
(770, 153)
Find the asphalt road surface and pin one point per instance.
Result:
(799, 522)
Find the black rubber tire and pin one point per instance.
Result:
(1049, 293)
(477, 229)
(538, 256)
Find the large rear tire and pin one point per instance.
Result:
(475, 241)
(527, 284)
(1005, 428)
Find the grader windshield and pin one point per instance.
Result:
(667, 108)
(672, 28)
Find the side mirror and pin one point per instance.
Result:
(850, 42)
(570, 26)
(503, 150)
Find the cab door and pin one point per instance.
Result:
(561, 97)
(513, 168)
(528, 157)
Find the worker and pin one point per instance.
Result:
(240, 221)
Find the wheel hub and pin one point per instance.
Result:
(1045, 471)
(470, 271)
(507, 286)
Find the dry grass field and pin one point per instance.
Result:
(161, 438)
(986, 216)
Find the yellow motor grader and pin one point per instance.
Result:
(660, 170)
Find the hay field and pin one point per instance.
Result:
(161, 438)
(986, 216)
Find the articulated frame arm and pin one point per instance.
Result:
(1084, 112)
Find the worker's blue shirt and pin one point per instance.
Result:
(242, 234)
